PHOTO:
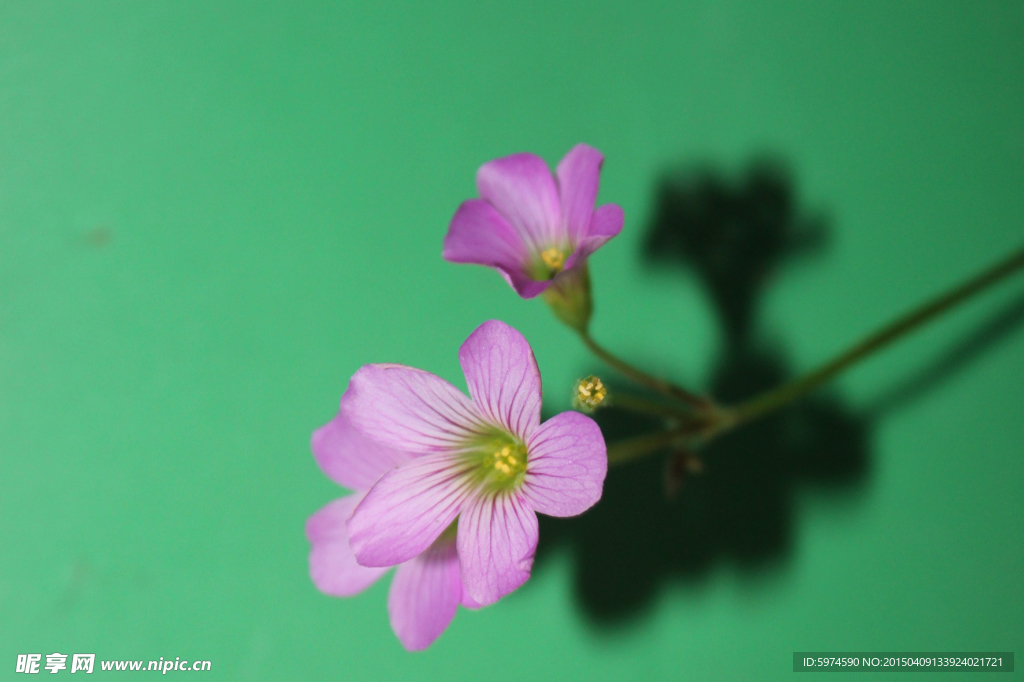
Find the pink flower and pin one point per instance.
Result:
(456, 508)
(426, 589)
(487, 461)
(531, 227)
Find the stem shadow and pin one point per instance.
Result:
(997, 328)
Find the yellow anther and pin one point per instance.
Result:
(497, 461)
(508, 460)
(590, 392)
(554, 258)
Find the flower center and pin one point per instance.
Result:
(510, 460)
(554, 258)
(497, 461)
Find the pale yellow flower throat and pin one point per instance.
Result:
(496, 460)
(554, 258)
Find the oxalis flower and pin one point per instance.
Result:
(535, 229)
(456, 508)
(426, 590)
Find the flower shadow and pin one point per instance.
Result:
(652, 529)
(659, 521)
(664, 521)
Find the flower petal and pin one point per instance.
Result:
(425, 595)
(468, 601)
(497, 539)
(578, 176)
(409, 409)
(566, 465)
(407, 509)
(349, 457)
(520, 186)
(503, 377)
(606, 223)
(332, 565)
(479, 234)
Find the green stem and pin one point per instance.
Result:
(719, 420)
(900, 327)
(644, 379)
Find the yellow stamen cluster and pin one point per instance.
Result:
(590, 392)
(497, 461)
(508, 461)
(554, 258)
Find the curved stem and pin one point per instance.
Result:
(644, 379)
(716, 420)
(692, 434)
(900, 327)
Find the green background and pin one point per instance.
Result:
(211, 214)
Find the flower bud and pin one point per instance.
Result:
(569, 297)
(590, 393)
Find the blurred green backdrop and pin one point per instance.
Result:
(211, 214)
